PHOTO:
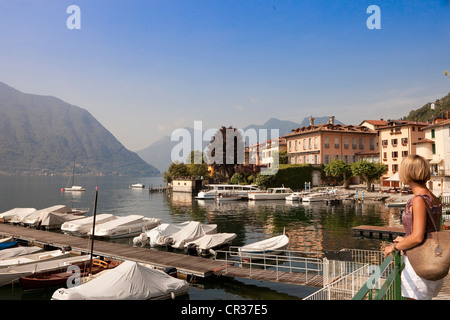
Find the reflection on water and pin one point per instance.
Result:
(311, 227)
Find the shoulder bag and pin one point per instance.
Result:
(431, 259)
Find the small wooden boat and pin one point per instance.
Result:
(61, 276)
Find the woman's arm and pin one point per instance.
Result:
(419, 211)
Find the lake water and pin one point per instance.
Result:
(311, 227)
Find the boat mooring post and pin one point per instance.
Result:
(93, 230)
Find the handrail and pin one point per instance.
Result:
(391, 278)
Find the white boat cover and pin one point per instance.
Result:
(84, 225)
(13, 273)
(164, 229)
(18, 251)
(35, 217)
(33, 257)
(128, 281)
(193, 230)
(55, 219)
(268, 245)
(210, 241)
(110, 225)
(16, 214)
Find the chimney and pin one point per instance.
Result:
(311, 121)
(331, 121)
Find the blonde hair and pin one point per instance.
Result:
(414, 168)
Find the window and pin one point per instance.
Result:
(353, 143)
(327, 142)
(304, 144)
(394, 142)
(394, 168)
(290, 146)
(395, 154)
(326, 159)
(384, 155)
(336, 142)
(372, 144)
(384, 143)
(432, 133)
(310, 143)
(361, 144)
(404, 153)
(345, 143)
(315, 142)
(404, 141)
(296, 145)
(433, 147)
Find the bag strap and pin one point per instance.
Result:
(429, 212)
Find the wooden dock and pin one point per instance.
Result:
(190, 266)
(378, 232)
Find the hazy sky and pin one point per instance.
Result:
(146, 67)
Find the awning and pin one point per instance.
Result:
(394, 177)
(433, 161)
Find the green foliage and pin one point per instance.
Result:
(293, 176)
(368, 171)
(426, 114)
(340, 170)
(176, 170)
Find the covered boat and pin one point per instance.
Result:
(129, 281)
(274, 245)
(204, 245)
(12, 274)
(16, 214)
(126, 226)
(33, 257)
(151, 237)
(192, 231)
(59, 277)
(18, 251)
(35, 218)
(82, 226)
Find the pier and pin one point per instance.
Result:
(378, 232)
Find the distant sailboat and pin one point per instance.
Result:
(70, 186)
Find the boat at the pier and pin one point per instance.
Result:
(319, 196)
(297, 196)
(34, 257)
(274, 245)
(8, 244)
(126, 226)
(19, 251)
(82, 226)
(271, 194)
(215, 190)
(210, 242)
(12, 274)
(129, 281)
(151, 237)
(228, 197)
(34, 218)
(192, 231)
(16, 214)
(59, 277)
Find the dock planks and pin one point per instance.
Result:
(378, 232)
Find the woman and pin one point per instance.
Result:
(415, 171)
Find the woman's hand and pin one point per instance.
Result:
(389, 249)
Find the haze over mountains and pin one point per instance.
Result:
(43, 134)
(159, 153)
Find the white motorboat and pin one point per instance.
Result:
(137, 186)
(12, 274)
(18, 251)
(274, 245)
(74, 188)
(82, 226)
(34, 257)
(396, 204)
(209, 242)
(151, 237)
(225, 197)
(126, 226)
(16, 214)
(129, 281)
(35, 218)
(215, 190)
(297, 196)
(192, 231)
(319, 196)
(271, 194)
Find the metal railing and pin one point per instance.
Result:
(310, 264)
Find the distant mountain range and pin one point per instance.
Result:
(159, 153)
(43, 134)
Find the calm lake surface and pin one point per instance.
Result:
(311, 227)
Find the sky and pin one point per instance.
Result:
(144, 68)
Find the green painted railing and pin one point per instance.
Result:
(385, 282)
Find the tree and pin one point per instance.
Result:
(368, 171)
(176, 169)
(196, 164)
(339, 169)
(226, 151)
(446, 73)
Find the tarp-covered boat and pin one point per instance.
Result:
(129, 281)
(16, 214)
(274, 245)
(18, 251)
(192, 231)
(151, 237)
(126, 226)
(82, 226)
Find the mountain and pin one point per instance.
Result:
(159, 153)
(428, 112)
(43, 134)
